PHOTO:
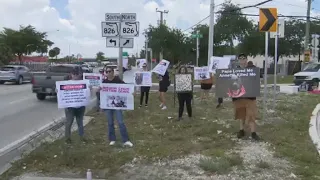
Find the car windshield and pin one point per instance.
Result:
(7, 68)
(312, 68)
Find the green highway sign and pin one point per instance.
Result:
(125, 54)
(196, 36)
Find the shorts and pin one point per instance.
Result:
(144, 89)
(245, 109)
(206, 86)
(163, 88)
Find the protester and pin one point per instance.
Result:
(74, 112)
(111, 78)
(98, 92)
(144, 89)
(164, 83)
(206, 85)
(184, 97)
(245, 108)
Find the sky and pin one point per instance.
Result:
(75, 25)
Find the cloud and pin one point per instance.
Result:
(82, 32)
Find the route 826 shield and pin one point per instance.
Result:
(110, 29)
(130, 29)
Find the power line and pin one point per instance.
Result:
(237, 9)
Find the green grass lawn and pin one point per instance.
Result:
(159, 138)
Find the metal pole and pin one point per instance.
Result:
(211, 32)
(120, 63)
(275, 69)
(151, 57)
(198, 44)
(161, 22)
(265, 77)
(306, 40)
(146, 49)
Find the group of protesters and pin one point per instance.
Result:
(245, 108)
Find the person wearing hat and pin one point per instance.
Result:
(144, 90)
(72, 113)
(245, 108)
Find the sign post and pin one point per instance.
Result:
(197, 36)
(268, 22)
(119, 30)
(276, 36)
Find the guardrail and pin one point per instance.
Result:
(314, 127)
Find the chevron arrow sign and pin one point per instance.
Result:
(268, 20)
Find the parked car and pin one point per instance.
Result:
(86, 68)
(44, 84)
(310, 75)
(15, 73)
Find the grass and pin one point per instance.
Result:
(155, 137)
(290, 136)
(281, 79)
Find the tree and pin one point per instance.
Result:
(52, 53)
(57, 51)
(100, 56)
(25, 41)
(5, 54)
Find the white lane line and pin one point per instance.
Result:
(20, 100)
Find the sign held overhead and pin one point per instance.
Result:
(268, 20)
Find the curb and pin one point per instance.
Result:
(314, 127)
(16, 149)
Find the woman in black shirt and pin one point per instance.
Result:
(164, 83)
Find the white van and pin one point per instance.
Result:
(310, 74)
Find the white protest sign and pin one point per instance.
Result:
(73, 93)
(95, 79)
(117, 96)
(143, 78)
(125, 63)
(218, 63)
(162, 67)
(201, 73)
(140, 62)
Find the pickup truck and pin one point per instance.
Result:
(44, 83)
(310, 75)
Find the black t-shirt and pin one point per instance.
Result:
(165, 79)
(115, 80)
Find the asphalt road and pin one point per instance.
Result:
(21, 113)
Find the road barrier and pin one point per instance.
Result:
(314, 127)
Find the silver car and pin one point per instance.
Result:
(14, 73)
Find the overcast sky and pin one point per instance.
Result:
(79, 21)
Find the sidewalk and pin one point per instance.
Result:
(50, 178)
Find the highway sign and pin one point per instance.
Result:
(112, 42)
(128, 17)
(130, 29)
(268, 20)
(126, 42)
(115, 17)
(110, 29)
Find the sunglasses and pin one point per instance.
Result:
(108, 71)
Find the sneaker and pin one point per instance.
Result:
(240, 134)
(68, 141)
(161, 105)
(146, 105)
(128, 143)
(164, 108)
(140, 106)
(112, 143)
(254, 136)
(179, 119)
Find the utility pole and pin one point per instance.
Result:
(306, 40)
(160, 23)
(146, 49)
(211, 31)
(198, 47)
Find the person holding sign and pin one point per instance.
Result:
(144, 89)
(245, 108)
(164, 83)
(111, 78)
(72, 113)
(184, 97)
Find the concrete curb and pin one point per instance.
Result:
(13, 151)
(314, 127)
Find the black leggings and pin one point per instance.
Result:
(220, 100)
(185, 98)
(144, 90)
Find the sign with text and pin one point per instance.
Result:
(201, 73)
(95, 79)
(73, 93)
(117, 96)
(237, 83)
